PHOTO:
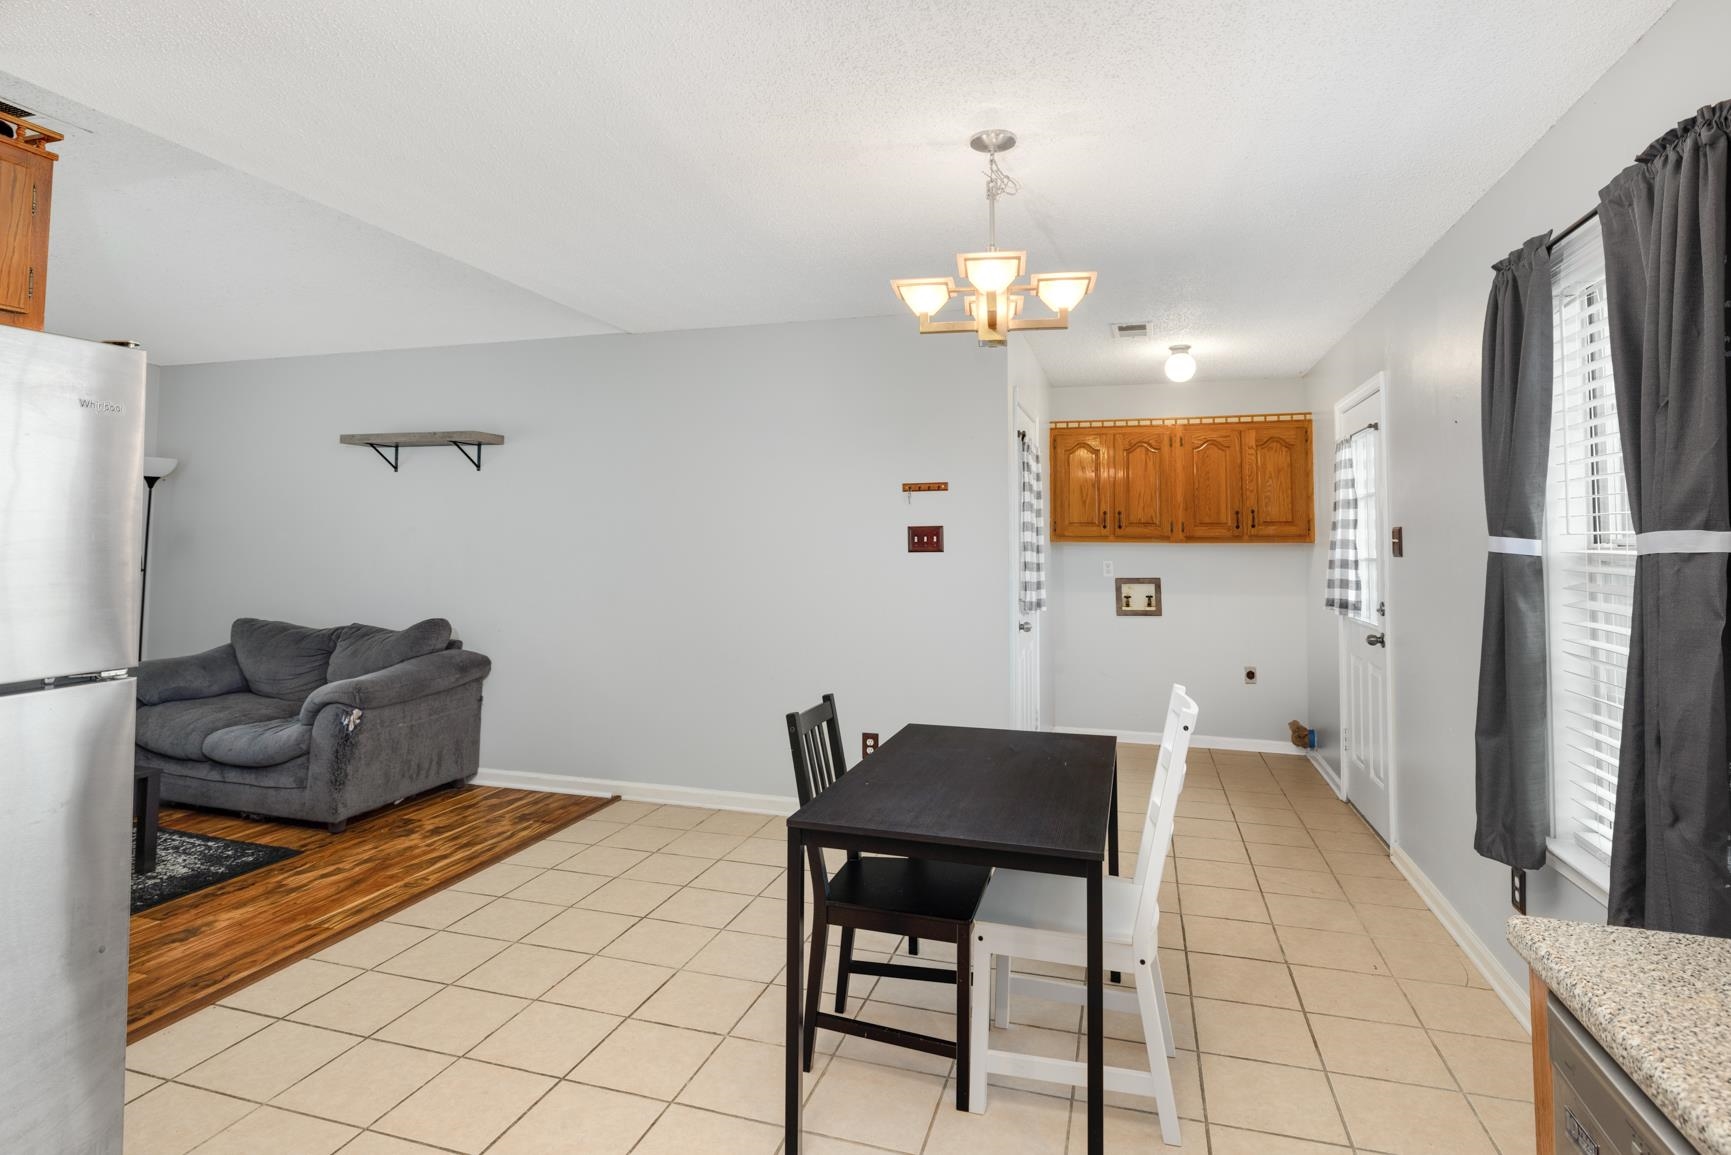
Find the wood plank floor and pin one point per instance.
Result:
(189, 953)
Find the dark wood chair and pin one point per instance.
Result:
(898, 896)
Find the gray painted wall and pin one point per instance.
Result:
(685, 536)
(1426, 334)
(1225, 606)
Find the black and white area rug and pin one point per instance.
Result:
(186, 863)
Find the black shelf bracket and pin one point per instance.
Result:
(396, 451)
(476, 459)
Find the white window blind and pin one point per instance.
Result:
(1589, 555)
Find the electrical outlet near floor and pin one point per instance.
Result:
(1250, 675)
(868, 744)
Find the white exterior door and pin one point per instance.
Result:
(1025, 641)
(1364, 693)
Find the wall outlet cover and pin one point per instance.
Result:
(868, 743)
(1250, 675)
(1105, 569)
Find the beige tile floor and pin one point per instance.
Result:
(616, 988)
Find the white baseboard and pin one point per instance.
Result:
(1513, 994)
(638, 791)
(1200, 741)
(1329, 774)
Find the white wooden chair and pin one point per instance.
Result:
(1040, 917)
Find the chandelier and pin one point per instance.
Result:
(992, 297)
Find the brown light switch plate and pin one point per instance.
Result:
(1396, 542)
(925, 539)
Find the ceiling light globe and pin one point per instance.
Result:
(1180, 366)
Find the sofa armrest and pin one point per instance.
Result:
(193, 676)
(403, 682)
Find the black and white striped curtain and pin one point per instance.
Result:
(1031, 590)
(1344, 592)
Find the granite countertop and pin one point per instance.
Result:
(1660, 1005)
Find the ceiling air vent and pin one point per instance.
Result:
(1130, 330)
(11, 109)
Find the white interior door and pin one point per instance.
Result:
(1365, 744)
(1026, 638)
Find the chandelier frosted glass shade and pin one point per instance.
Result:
(1061, 292)
(990, 272)
(924, 295)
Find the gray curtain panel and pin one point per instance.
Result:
(1664, 226)
(1512, 738)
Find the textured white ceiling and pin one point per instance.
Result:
(1250, 175)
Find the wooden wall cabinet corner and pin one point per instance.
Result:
(1243, 479)
(26, 190)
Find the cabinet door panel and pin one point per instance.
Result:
(16, 233)
(1081, 481)
(1277, 473)
(1142, 505)
(1211, 483)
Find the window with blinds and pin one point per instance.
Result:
(1589, 557)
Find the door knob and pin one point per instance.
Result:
(1025, 627)
(1376, 640)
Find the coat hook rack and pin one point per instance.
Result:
(395, 442)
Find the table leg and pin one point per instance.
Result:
(795, 939)
(1112, 839)
(1096, 1017)
(147, 800)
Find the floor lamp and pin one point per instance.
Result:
(155, 469)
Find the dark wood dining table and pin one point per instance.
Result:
(1018, 799)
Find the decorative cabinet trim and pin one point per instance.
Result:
(1228, 419)
(1242, 477)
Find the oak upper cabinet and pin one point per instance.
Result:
(1081, 484)
(1241, 479)
(1211, 482)
(1277, 482)
(26, 182)
(1143, 508)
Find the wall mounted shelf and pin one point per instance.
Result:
(395, 442)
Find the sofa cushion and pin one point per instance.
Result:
(178, 729)
(281, 659)
(368, 649)
(194, 676)
(259, 743)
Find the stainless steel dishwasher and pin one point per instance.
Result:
(1599, 1110)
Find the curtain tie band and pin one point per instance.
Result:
(1683, 541)
(1531, 546)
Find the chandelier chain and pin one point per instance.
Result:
(998, 183)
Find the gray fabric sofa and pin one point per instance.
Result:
(316, 725)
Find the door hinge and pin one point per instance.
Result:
(30, 286)
(32, 200)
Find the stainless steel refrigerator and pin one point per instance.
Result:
(71, 488)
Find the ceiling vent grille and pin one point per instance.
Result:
(11, 109)
(1130, 330)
